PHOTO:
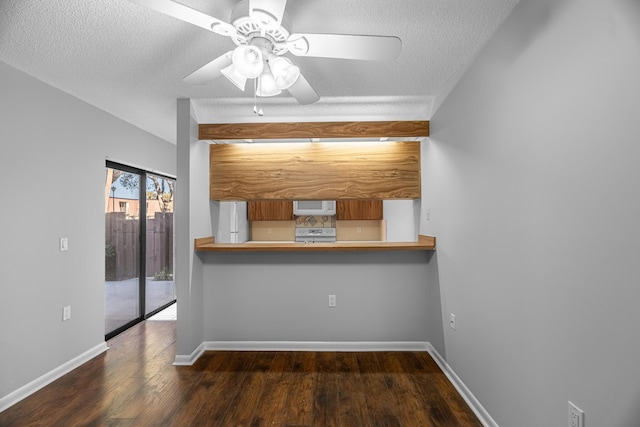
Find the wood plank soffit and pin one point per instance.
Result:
(373, 129)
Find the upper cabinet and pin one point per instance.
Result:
(315, 171)
(358, 209)
(270, 210)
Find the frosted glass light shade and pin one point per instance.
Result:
(234, 76)
(247, 60)
(267, 84)
(285, 73)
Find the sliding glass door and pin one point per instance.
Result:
(159, 287)
(138, 246)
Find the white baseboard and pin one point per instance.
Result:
(189, 359)
(315, 346)
(466, 394)
(35, 385)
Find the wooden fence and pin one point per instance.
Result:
(122, 242)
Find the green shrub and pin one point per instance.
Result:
(165, 274)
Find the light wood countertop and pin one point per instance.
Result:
(208, 244)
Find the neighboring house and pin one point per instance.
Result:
(131, 207)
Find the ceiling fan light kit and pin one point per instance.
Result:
(284, 71)
(239, 80)
(261, 30)
(247, 60)
(267, 84)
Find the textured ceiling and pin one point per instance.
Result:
(129, 60)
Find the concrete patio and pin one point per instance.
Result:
(121, 300)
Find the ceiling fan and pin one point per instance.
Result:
(261, 30)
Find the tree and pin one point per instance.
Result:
(158, 188)
(163, 189)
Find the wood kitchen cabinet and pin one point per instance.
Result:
(317, 171)
(270, 210)
(358, 209)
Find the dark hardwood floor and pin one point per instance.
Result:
(135, 384)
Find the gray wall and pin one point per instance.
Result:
(192, 213)
(52, 160)
(380, 297)
(532, 179)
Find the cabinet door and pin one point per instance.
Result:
(270, 210)
(358, 209)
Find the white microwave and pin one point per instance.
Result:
(314, 207)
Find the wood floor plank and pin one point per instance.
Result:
(300, 399)
(270, 409)
(351, 392)
(438, 392)
(380, 399)
(408, 397)
(325, 405)
(135, 384)
(241, 409)
(227, 382)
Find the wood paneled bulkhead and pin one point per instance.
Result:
(373, 129)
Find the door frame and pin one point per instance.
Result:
(142, 250)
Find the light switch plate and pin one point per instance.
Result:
(64, 244)
(576, 416)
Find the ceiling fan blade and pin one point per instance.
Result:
(302, 91)
(345, 46)
(187, 14)
(210, 71)
(267, 11)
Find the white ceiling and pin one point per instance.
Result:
(129, 60)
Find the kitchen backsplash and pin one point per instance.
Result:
(285, 231)
(315, 221)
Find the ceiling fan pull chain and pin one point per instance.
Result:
(255, 99)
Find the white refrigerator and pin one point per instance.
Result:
(233, 225)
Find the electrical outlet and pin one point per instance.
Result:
(576, 416)
(64, 244)
(358, 229)
(452, 321)
(66, 313)
(332, 300)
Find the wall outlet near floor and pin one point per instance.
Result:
(452, 321)
(66, 313)
(332, 300)
(576, 416)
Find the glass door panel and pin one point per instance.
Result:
(122, 248)
(159, 286)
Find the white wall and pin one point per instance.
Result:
(532, 177)
(52, 160)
